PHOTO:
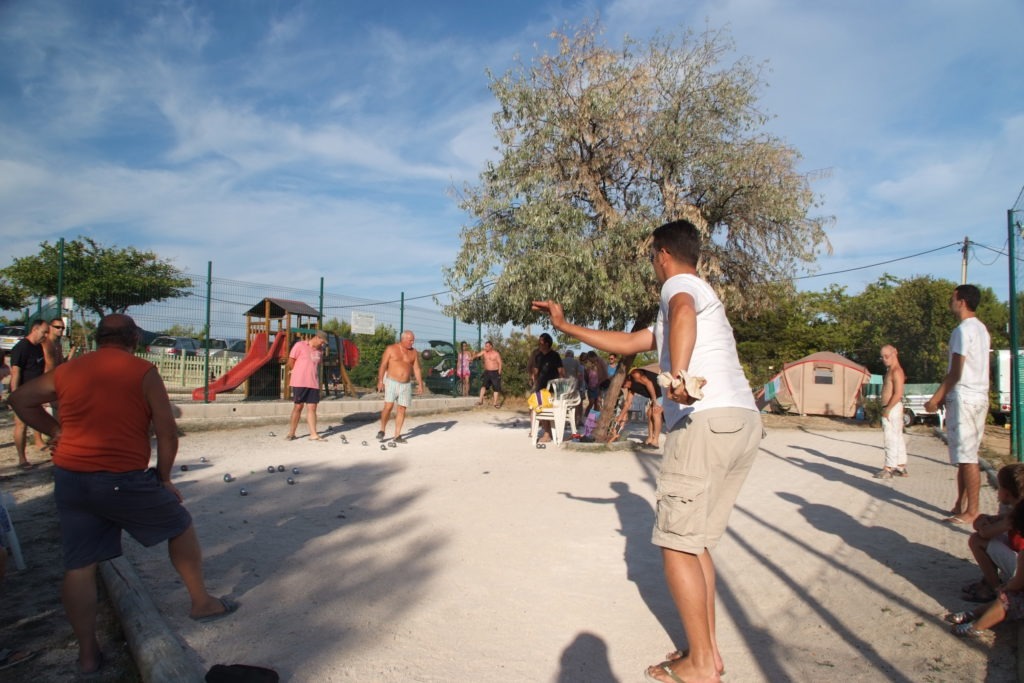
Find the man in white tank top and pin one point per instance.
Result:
(965, 392)
(712, 441)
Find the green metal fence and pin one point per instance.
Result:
(216, 308)
(1015, 239)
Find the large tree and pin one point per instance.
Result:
(598, 146)
(12, 297)
(100, 279)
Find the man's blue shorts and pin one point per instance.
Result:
(94, 507)
(305, 395)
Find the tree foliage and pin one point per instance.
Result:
(597, 147)
(12, 297)
(100, 279)
(371, 350)
(911, 314)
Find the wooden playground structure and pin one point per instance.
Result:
(295, 320)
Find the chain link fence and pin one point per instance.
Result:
(220, 306)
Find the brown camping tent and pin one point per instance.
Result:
(822, 383)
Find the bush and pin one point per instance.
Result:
(873, 411)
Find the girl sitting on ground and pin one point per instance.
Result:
(1009, 602)
(995, 543)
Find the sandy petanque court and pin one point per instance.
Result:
(467, 555)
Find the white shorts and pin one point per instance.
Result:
(965, 425)
(1003, 556)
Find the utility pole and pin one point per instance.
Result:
(963, 262)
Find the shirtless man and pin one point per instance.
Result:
(892, 416)
(53, 346)
(492, 373)
(397, 366)
(643, 382)
(53, 355)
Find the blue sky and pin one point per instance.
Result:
(286, 141)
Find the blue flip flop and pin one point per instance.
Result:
(230, 607)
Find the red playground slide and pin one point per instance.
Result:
(256, 358)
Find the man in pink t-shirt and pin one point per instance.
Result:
(304, 366)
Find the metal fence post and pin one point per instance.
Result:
(1016, 399)
(206, 361)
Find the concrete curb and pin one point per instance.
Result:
(158, 652)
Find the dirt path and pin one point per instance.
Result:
(31, 616)
(466, 555)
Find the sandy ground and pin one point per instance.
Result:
(467, 555)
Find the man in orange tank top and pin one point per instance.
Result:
(102, 480)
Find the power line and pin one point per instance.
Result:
(998, 252)
(873, 265)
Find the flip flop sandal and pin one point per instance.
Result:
(679, 654)
(230, 607)
(966, 630)
(664, 666)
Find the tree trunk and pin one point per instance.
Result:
(604, 423)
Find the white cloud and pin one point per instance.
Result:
(276, 141)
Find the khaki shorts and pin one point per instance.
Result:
(707, 457)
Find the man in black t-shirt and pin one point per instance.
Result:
(27, 363)
(545, 366)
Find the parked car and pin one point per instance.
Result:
(914, 398)
(230, 347)
(438, 365)
(174, 346)
(10, 335)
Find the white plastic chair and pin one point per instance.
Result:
(7, 531)
(564, 399)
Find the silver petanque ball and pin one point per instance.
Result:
(290, 480)
(270, 468)
(228, 478)
(243, 492)
(295, 470)
(280, 468)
